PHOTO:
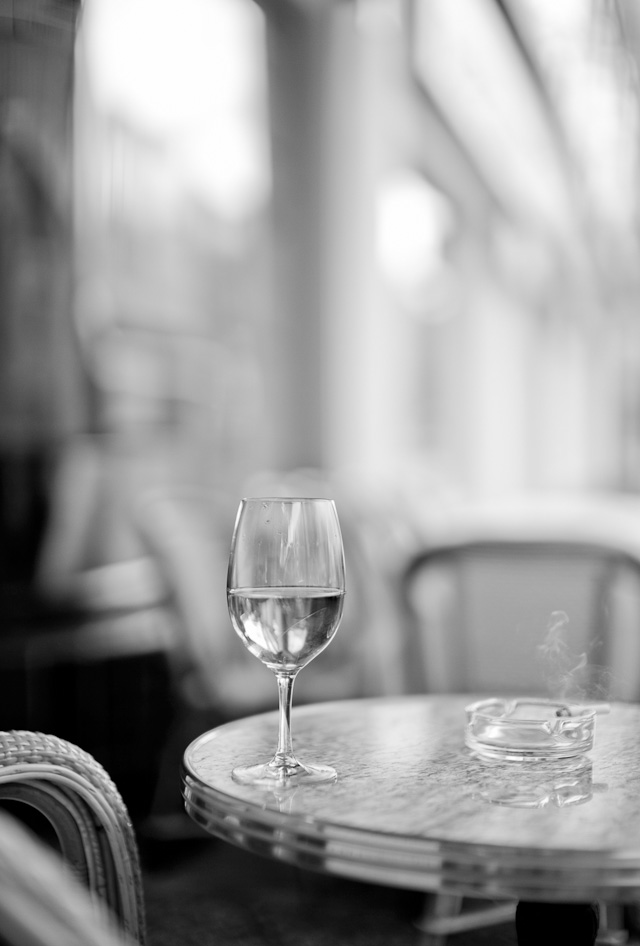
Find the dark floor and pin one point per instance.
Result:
(208, 892)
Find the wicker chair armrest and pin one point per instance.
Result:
(75, 793)
(41, 904)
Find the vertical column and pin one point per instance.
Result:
(297, 49)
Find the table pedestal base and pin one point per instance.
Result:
(557, 924)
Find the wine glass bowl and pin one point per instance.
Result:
(285, 592)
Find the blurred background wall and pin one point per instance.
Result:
(381, 249)
(368, 237)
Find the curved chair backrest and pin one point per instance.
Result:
(80, 801)
(41, 904)
(545, 616)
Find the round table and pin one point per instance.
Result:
(414, 808)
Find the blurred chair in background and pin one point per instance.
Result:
(540, 599)
(525, 616)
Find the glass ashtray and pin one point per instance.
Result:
(529, 729)
(548, 784)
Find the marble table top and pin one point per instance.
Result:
(415, 808)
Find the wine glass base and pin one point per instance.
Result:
(281, 775)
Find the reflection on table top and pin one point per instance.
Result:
(413, 807)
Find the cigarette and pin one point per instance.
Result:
(599, 709)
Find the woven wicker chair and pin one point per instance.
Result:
(42, 904)
(88, 816)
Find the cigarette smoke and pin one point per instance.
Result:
(567, 674)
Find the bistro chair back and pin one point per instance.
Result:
(534, 616)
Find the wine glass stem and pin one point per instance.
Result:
(284, 752)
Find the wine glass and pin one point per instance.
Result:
(285, 592)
